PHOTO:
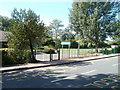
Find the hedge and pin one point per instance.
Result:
(15, 57)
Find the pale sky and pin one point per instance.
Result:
(47, 9)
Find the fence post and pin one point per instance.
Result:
(35, 53)
(69, 51)
(78, 50)
(51, 55)
(59, 54)
(62, 51)
(102, 50)
(106, 51)
(115, 50)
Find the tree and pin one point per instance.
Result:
(26, 30)
(67, 36)
(56, 28)
(116, 33)
(93, 20)
(4, 23)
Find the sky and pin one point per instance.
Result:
(47, 9)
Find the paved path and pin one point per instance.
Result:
(53, 63)
(101, 73)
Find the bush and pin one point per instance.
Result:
(6, 59)
(101, 45)
(119, 50)
(116, 50)
(49, 42)
(74, 44)
(15, 57)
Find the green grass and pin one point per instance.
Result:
(74, 50)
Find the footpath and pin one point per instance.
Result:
(54, 63)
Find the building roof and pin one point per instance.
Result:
(3, 36)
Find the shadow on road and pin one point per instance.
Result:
(57, 79)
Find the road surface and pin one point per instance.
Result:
(102, 73)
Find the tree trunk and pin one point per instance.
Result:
(32, 53)
(96, 49)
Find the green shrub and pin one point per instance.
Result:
(21, 56)
(74, 44)
(119, 49)
(15, 57)
(6, 59)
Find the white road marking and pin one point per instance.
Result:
(116, 64)
(72, 77)
(89, 72)
(92, 62)
(57, 80)
(69, 77)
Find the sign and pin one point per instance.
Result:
(65, 42)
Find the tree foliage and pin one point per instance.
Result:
(93, 20)
(4, 23)
(26, 30)
(116, 34)
(55, 27)
(67, 34)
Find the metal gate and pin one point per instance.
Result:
(47, 57)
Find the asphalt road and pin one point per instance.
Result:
(101, 73)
